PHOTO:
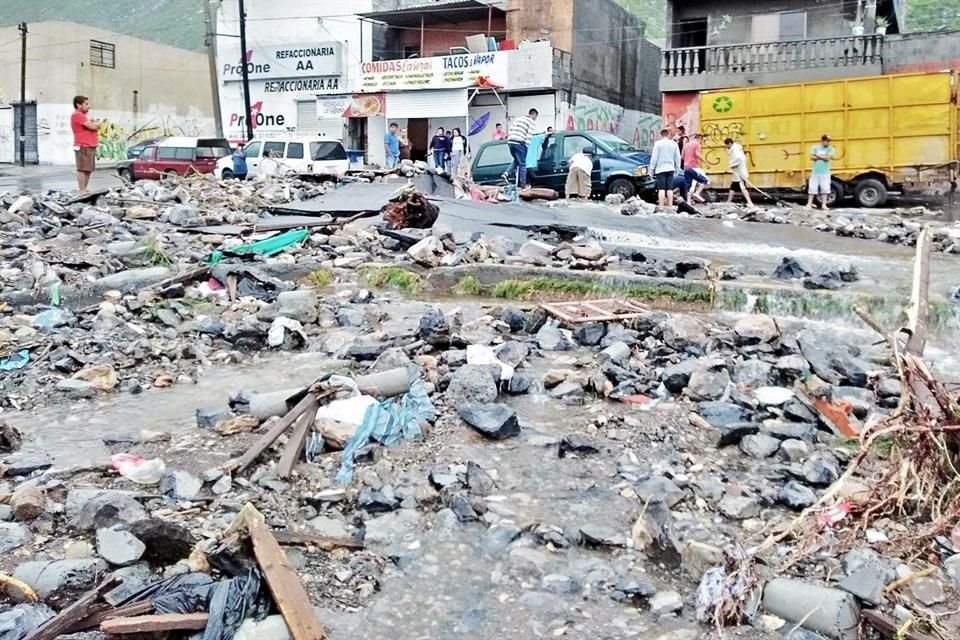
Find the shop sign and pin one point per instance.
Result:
(361, 105)
(310, 60)
(446, 72)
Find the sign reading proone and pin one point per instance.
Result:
(287, 61)
(446, 72)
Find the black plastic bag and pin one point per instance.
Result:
(233, 601)
(179, 594)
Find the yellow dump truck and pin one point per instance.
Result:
(892, 133)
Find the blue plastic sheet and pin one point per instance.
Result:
(388, 423)
(16, 361)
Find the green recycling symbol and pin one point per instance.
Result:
(722, 104)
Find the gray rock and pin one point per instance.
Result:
(676, 377)
(90, 509)
(659, 489)
(461, 506)
(790, 269)
(167, 541)
(794, 450)
(74, 388)
(299, 305)
(13, 536)
(819, 470)
(499, 537)
(789, 430)
(698, 557)
(721, 414)
(391, 527)
(559, 583)
(222, 485)
(513, 353)
(665, 602)
(550, 338)
(796, 495)
(867, 582)
(792, 367)
(889, 388)
(434, 329)
(479, 481)
(680, 332)
(496, 421)
(348, 317)
(181, 485)
(756, 329)
(473, 383)
(796, 410)
(374, 501)
(330, 527)
(119, 547)
(597, 534)
(519, 384)
(617, 352)
(739, 507)
(759, 446)
(952, 567)
(752, 373)
(830, 611)
(18, 622)
(590, 335)
(708, 383)
(568, 392)
(929, 591)
(184, 215)
(614, 199)
(861, 400)
(60, 582)
(516, 319)
(636, 588)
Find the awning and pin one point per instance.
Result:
(444, 103)
(437, 13)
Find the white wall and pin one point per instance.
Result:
(280, 22)
(591, 114)
(545, 103)
(7, 138)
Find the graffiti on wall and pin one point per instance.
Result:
(681, 109)
(115, 138)
(589, 114)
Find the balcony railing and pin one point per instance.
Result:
(848, 51)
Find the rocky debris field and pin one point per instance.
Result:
(545, 478)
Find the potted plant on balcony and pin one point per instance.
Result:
(882, 24)
(857, 28)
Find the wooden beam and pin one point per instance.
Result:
(321, 542)
(288, 592)
(293, 450)
(271, 436)
(919, 308)
(149, 624)
(888, 626)
(58, 625)
(96, 615)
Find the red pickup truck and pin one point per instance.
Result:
(175, 156)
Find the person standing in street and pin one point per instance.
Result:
(499, 133)
(391, 146)
(821, 154)
(738, 167)
(681, 139)
(665, 163)
(85, 141)
(518, 139)
(579, 178)
(438, 148)
(239, 156)
(404, 145)
(458, 148)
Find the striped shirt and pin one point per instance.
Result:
(521, 130)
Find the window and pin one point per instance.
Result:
(273, 148)
(184, 153)
(494, 155)
(777, 27)
(327, 150)
(252, 150)
(295, 150)
(575, 144)
(102, 54)
(166, 153)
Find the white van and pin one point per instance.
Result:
(304, 154)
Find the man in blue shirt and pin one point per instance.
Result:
(239, 163)
(391, 146)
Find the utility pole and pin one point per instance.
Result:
(211, 42)
(246, 74)
(23, 93)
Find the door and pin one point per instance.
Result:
(419, 133)
(272, 161)
(491, 163)
(145, 164)
(30, 153)
(252, 151)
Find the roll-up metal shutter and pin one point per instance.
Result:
(308, 122)
(427, 104)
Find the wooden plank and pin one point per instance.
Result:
(149, 624)
(605, 310)
(271, 436)
(321, 542)
(291, 453)
(58, 625)
(97, 615)
(888, 626)
(919, 308)
(288, 592)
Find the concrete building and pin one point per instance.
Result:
(451, 63)
(140, 89)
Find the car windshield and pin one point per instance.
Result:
(614, 143)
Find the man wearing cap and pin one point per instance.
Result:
(578, 179)
(821, 154)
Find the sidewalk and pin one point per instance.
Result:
(8, 170)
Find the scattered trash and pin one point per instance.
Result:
(17, 361)
(137, 469)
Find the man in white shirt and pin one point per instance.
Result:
(518, 138)
(664, 164)
(738, 167)
(579, 177)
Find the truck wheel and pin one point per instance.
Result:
(226, 175)
(870, 193)
(126, 174)
(622, 186)
(836, 193)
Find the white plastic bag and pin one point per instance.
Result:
(137, 469)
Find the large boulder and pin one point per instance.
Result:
(473, 383)
(756, 329)
(60, 582)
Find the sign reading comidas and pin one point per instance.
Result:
(288, 61)
(447, 72)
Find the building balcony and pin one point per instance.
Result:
(740, 65)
